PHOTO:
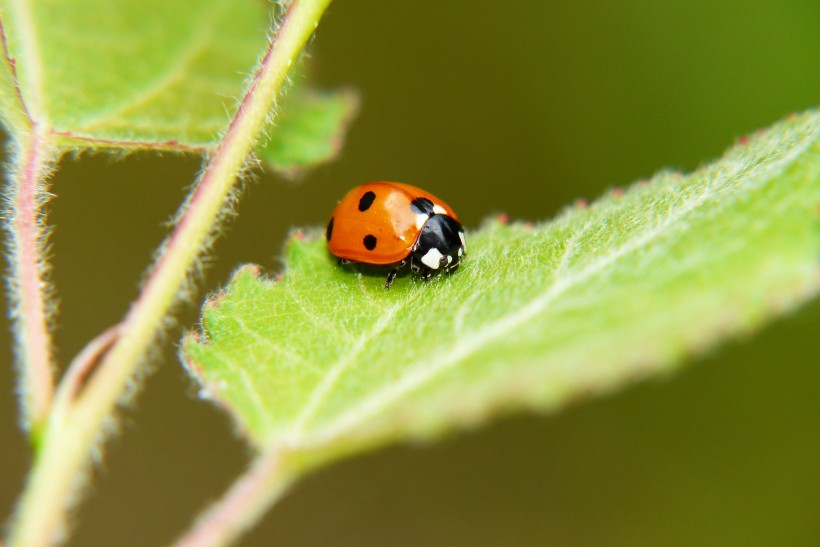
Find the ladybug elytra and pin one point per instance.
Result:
(394, 224)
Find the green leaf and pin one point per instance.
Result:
(324, 361)
(122, 71)
(309, 130)
(12, 110)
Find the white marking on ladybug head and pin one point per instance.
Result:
(439, 210)
(432, 259)
(421, 220)
(449, 259)
(463, 242)
(460, 251)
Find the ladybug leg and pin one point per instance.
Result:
(428, 273)
(420, 269)
(392, 275)
(415, 267)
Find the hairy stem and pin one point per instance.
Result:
(243, 504)
(33, 158)
(71, 436)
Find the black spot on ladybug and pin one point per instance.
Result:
(329, 232)
(366, 201)
(370, 242)
(421, 206)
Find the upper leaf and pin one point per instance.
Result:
(309, 130)
(325, 361)
(151, 71)
(12, 110)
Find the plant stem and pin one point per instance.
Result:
(243, 504)
(34, 159)
(33, 156)
(71, 436)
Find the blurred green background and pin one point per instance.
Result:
(519, 107)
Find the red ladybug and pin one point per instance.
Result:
(392, 224)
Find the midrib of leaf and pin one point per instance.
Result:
(421, 373)
(25, 31)
(14, 113)
(174, 72)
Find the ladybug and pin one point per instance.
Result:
(393, 224)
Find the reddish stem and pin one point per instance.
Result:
(243, 504)
(29, 287)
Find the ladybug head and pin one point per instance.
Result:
(440, 246)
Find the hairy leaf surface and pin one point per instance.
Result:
(325, 361)
(125, 71)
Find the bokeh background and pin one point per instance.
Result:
(519, 107)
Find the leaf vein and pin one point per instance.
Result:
(32, 66)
